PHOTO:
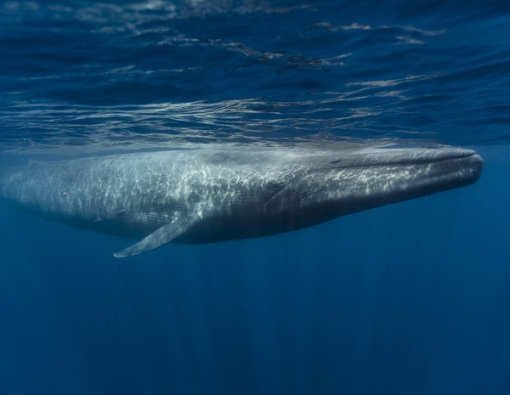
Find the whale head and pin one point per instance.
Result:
(369, 178)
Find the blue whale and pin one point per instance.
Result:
(204, 195)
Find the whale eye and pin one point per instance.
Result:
(336, 161)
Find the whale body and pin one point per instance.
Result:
(204, 196)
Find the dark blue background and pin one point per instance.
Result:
(412, 298)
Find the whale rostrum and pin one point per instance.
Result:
(205, 195)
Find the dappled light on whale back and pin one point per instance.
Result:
(212, 195)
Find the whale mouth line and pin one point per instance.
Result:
(401, 158)
(429, 160)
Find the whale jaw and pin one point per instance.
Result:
(381, 177)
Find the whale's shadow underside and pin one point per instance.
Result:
(205, 196)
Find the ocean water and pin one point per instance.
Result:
(412, 298)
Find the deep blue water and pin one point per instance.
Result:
(412, 298)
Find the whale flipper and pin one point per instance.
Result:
(163, 235)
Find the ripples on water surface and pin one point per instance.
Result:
(87, 76)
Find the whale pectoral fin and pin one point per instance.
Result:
(163, 235)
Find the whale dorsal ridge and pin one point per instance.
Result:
(163, 235)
